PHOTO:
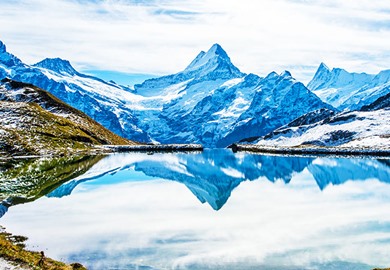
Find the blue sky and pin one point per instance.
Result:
(163, 36)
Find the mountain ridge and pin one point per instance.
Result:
(57, 65)
(346, 90)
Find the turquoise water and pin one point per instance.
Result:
(215, 210)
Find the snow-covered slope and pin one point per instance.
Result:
(105, 102)
(369, 127)
(345, 90)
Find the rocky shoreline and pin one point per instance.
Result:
(310, 150)
(154, 148)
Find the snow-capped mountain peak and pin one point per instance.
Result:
(211, 66)
(337, 77)
(57, 65)
(323, 67)
(214, 55)
(348, 90)
(216, 49)
(321, 76)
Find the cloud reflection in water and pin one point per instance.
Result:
(320, 219)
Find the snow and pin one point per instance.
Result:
(5, 265)
(204, 58)
(233, 172)
(373, 141)
(232, 82)
(238, 106)
(6, 69)
(367, 126)
(345, 90)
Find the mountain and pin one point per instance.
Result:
(345, 90)
(58, 65)
(367, 128)
(278, 100)
(32, 121)
(105, 102)
(212, 65)
(210, 102)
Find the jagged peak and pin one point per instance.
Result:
(3, 48)
(7, 58)
(323, 66)
(273, 74)
(215, 52)
(216, 49)
(196, 60)
(285, 74)
(323, 69)
(57, 65)
(321, 76)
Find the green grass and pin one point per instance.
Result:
(40, 124)
(40, 132)
(12, 249)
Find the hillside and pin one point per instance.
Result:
(368, 128)
(34, 122)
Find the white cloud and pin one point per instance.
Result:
(164, 36)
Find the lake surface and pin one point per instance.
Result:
(210, 210)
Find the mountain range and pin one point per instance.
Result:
(210, 102)
(362, 120)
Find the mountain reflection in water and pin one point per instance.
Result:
(213, 174)
(138, 211)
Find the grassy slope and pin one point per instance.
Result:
(12, 250)
(35, 122)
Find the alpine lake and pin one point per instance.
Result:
(205, 210)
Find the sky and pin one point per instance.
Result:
(162, 37)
